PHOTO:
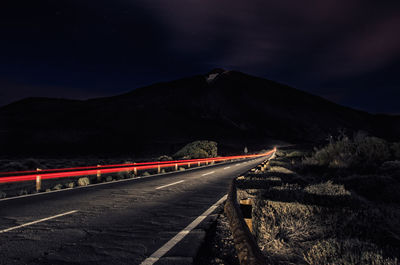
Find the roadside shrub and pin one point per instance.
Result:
(83, 181)
(13, 166)
(57, 187)
(391, 166)
(146, 174)
(280, 153)
(2, 195)
(109, 178)
(295, 154)
(164, 158)
(396, 150)
(282, 170)
(70, 185)
(359, 152)
(198, 149)
(327, 188)
(22, 192)
(124, 174)
(374, 188)
(31, 163)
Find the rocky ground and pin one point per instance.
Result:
(218, 248)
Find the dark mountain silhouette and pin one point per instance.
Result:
(229, 107)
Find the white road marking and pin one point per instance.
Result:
(101, 184)
(174, 183)
(205, 174)
(178, 237)
(38, 221)
(226, 167)
(237, 164)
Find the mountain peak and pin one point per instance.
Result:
(215, 73)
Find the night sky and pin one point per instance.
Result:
(347, 51)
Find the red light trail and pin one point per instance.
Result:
(107, 169)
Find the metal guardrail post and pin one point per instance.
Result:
(98, 174)
(246, 246)
(189, 165)
(176, 167)
(158, 169)
(38, 181)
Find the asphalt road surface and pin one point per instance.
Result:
(117, 223)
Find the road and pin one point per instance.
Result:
(117, 223)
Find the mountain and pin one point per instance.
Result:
(230, 107)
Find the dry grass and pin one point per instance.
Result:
(360, 152)
(281, 170)
(297, 232)
(348, 251)
(327, 188)
(329, 220)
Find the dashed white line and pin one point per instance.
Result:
(178, 237)
(174, 183)
(38, 221)
(205, 174)
(226, 167)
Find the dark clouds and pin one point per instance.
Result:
(347, 51)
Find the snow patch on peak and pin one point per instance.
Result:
(211, 77)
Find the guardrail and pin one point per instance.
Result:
(39, 175)
(246, 246)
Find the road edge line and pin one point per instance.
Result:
(178, 237)
(111, 182)
(37, 221)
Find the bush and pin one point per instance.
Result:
(13, 166)
(374, 188)
(2, 195)
(164, 158)
(360, 152)
(57, 187)
(391, 166)
(22, 192)
(124, 174)
(396, 150)
(31, 163)
(70, 185)
(197, 149)
(295, 154)
(83, 181)
(109, 179)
